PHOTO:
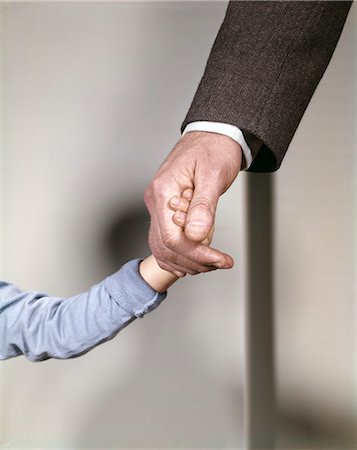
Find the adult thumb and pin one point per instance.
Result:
(202, 210)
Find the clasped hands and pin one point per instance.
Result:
(200, 168)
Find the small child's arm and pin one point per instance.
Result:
(42, 327)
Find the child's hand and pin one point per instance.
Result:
(180, 206)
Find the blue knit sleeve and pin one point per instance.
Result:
(42, 327)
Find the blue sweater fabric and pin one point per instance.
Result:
(42, 327)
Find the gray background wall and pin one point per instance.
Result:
(93, 97)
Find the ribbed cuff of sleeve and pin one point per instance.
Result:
(130, 291)
(227, 130)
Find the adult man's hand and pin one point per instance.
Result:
(207, 163)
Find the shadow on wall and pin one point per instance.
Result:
(126, 236)
(301, 429)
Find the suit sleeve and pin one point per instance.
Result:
(264, 66)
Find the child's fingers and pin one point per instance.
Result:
(187, 194)
(179, 204)
(179, 218)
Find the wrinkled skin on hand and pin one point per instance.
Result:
(207, 163)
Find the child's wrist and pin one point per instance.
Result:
(159, 279)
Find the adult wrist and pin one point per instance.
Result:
(224, 129)
(217, 139)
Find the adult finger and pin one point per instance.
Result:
(202, 208)
(172, 255)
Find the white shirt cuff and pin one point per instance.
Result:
(228, 130)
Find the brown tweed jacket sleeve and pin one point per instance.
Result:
(263, 68)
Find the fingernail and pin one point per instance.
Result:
(227, 265)
(175, 201)
(180, 216)
(188, 194)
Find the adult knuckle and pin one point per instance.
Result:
(157, 185)
(204, 207)
(154, 194)
(203, 203)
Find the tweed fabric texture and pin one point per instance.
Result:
(264, 67)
